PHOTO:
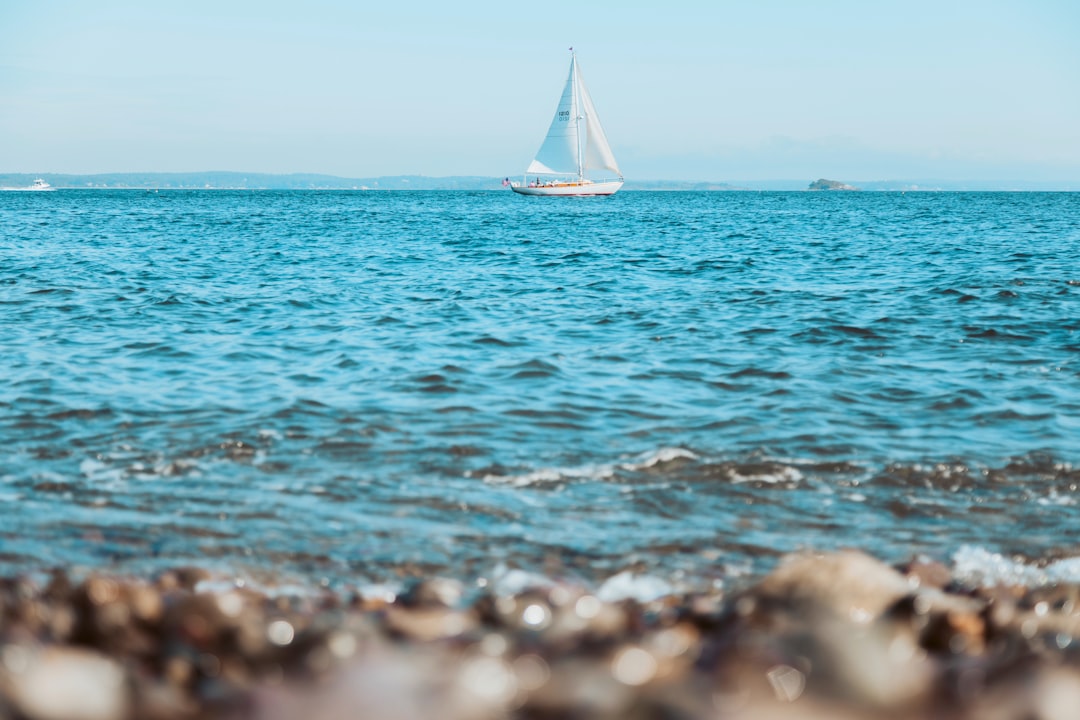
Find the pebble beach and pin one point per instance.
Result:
(836, 635)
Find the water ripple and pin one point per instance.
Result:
(360, 380)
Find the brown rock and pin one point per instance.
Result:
(428, 624)
(437, 592)
(64, 683)
(848, 584)
(928, 574)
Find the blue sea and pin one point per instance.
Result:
(356, 387)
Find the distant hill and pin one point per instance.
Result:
(824, 184)
(299, 181)
(252, 181)
(678, 185)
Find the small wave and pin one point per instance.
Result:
(489, 340)
(766, 473)
(343, 448)
(533, 369)
(80, 414)
(758, 472)
(952, 403)
(661, 457)
(663, 461)
(163, 350)
(50, 291)
(855, 331)
(951, 476)
(626, 585)
(758, 372)
(549, 476)
(1055, 498)
(170, 300)
(1009, 416)
(981, 567)
(993, 334)
(651, 461)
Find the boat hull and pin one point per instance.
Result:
(570, 189)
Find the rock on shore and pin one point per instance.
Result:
(837, 635)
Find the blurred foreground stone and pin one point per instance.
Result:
(839, 635)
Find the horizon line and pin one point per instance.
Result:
(497, 178)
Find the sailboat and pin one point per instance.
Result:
(575, 144)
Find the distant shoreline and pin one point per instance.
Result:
(304, 181)
(647, 189)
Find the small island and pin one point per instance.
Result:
(823, 184)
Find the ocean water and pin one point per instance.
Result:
(354, 387)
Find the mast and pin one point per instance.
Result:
(579, 117)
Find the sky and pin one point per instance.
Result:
(720, 91)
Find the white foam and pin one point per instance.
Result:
(223, 583)
(978, 566)
(513, 581)
(981, 567)
(103, 474)
(552, 476)
(92, 466)
(1055, 498)
(786, 474)
(659, 457)
(628, 586)
(385, 592)
(601, 471)
(1065, 571)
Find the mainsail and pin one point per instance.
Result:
(575, 142)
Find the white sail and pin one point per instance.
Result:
(575, 141)
(598, 154)
(558, 155)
